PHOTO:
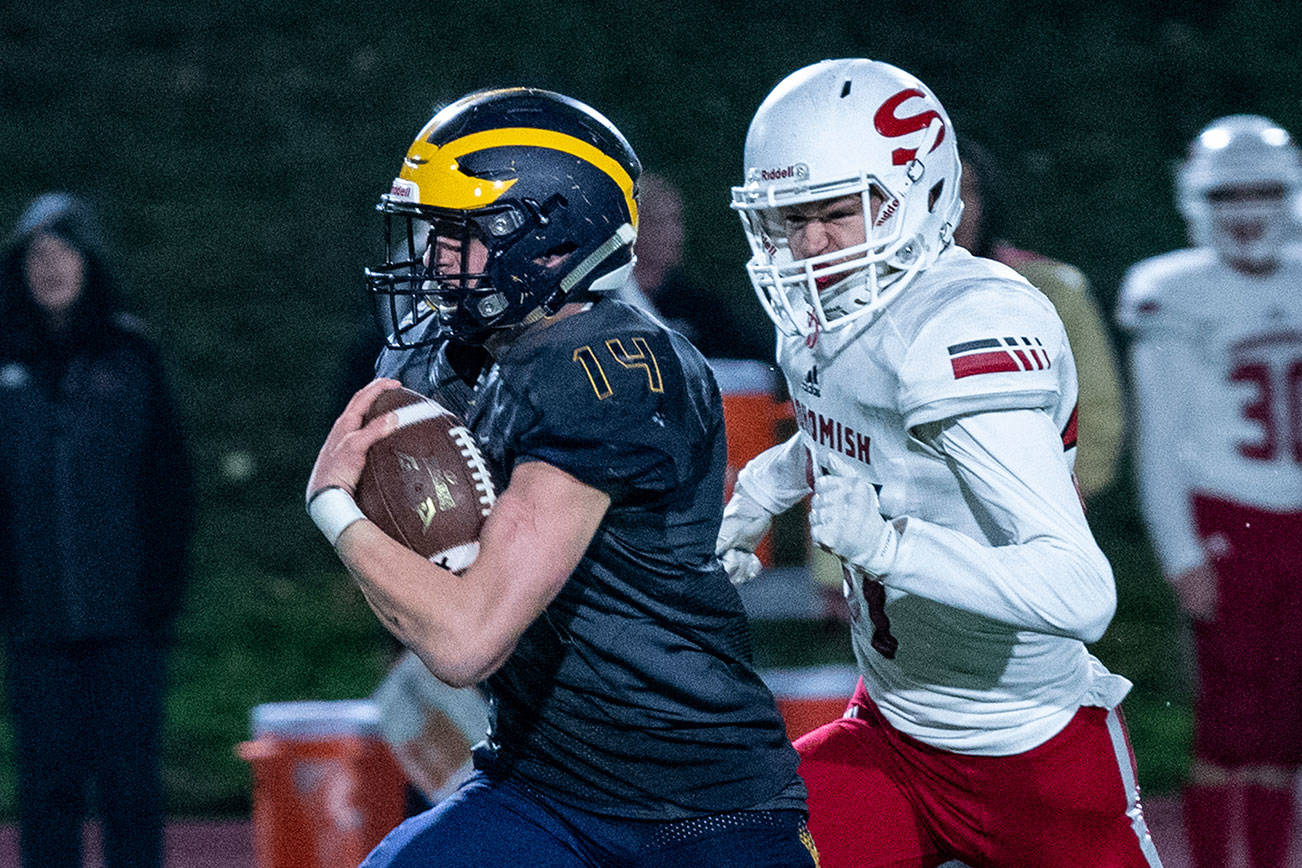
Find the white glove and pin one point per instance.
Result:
(740, 566)
(770, 483)
(845, 519)
(744, 524)
(778, 478)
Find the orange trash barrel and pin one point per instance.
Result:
(326, 788)
(752, 414)
(811, 696)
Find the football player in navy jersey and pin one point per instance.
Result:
(628, 724)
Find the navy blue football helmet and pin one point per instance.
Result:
(547, 185)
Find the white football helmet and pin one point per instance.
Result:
(1233, 152)
(839, 128)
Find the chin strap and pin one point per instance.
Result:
(624, 236)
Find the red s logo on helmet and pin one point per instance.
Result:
(892, 127)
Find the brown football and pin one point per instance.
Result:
(427, 485)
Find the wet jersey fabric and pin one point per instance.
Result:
(1216, 359)
(958, 402)
(445, 372)
(634, 694)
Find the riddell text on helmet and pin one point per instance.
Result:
(799, 170)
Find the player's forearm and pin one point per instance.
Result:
(1162, 385)
(1038, 567)
(1047, 584)
(1168, 512)
(444, 618)
(465, 627)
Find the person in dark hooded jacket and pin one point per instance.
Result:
(96, 515)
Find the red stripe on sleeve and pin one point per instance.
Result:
(1069, 432)
(983, 363)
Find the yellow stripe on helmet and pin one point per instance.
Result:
(437, 174)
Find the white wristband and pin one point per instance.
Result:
(332, 510)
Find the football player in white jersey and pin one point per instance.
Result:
(935, 395)
(1216, 365)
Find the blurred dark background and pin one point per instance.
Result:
(236, 151)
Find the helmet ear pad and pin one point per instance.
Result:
(529, 270)
(559, 233)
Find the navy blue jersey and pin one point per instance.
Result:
(634, 693)
(444, 372)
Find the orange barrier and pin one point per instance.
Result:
(807, 715)
(752, 416)
(811, 696)
(326, 789)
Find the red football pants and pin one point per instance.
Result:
(1248, 709)
(880, 798)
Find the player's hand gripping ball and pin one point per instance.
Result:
(427, 485)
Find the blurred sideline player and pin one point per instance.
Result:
(1216, 368)
(627, 723)
(935, 394)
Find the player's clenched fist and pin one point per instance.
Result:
(744, 524)
(845, 519)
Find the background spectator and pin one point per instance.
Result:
(1101, 415)
(95, 521)
(661, 285)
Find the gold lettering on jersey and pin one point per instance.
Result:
(832, 433)
(596, 376)
(643, 358)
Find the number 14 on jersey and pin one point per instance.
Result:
(640, 357)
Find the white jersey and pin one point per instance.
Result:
(1216, 367)
(958, 402)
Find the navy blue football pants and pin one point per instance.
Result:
(88, 711)
(488, 823)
